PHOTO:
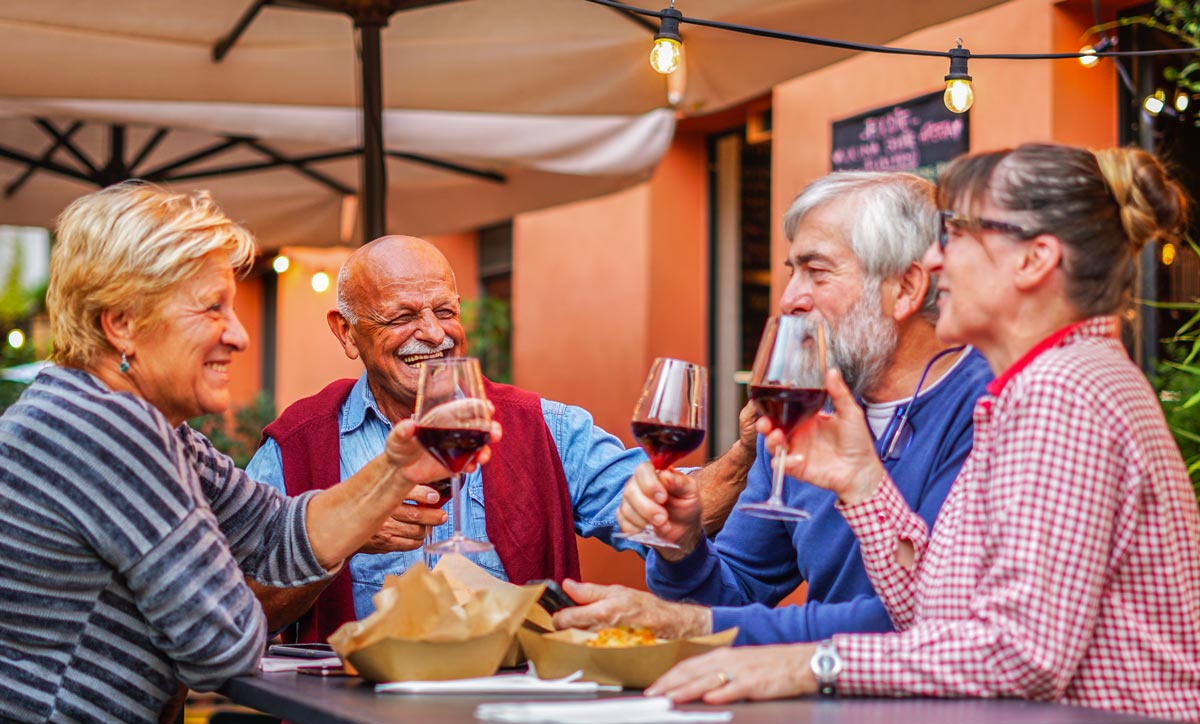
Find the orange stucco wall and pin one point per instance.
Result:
(247, 367)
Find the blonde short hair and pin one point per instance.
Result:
(127, 247)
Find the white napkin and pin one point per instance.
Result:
(631, 710)
(275, 664)
(503, 684)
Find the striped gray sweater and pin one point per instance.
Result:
(122, 550)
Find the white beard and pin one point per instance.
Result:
(863, 341)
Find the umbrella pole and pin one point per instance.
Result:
(374, 170)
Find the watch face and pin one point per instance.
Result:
(825, 663)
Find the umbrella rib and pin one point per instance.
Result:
(493, 176)
(263, 166)
(47, 165)
(18, 182)
(225, 44)
(147, 148)
(299, 165)
(57, 135)
(204, 153)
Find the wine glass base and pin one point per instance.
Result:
(647, 538)
(773, 511)
(459, 544)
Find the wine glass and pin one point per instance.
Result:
(669, 422)
(442, 487)
(787, 385)
(453, 423)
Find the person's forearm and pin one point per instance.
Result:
(342, 518)
(721, 482)
(284, 606)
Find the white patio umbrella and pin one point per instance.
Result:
(526, 57)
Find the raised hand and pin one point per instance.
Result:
(667, 501)
(405, 529)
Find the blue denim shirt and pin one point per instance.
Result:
(596, 464)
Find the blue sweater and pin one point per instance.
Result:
(754, 563)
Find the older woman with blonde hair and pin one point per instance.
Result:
(127, 537)
(1065, 563)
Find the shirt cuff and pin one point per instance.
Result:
(883, 518)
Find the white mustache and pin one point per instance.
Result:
(416, 346)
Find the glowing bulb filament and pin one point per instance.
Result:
(664, 56)
(959, 96)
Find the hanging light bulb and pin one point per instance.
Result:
(320, 282)
(665, 55)
(16, 339)
(1168, 254)
(1088, 57)
(280, 264)
(1181, 101)
(1155, 102)
(959, 95)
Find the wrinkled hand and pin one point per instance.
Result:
(617, 605)
(748, 427)
(748, 672)
(667, 500)
(407, 454)
(405, 529)
(832, 451)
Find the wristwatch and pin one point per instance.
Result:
(826, 664)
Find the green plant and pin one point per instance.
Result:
(488, 322)
(237, 434)
(1181, 21)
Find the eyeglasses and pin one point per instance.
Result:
(899, 432)
(965, 224)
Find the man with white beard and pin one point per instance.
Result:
(856, 242)
(556, 474)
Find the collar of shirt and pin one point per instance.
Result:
(1104, 326)
(360, 402)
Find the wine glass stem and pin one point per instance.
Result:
(456, 498)
(777, 478)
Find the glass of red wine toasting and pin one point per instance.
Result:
(669, 422)
(787, 385)
(453, 422)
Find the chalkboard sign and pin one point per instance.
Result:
(918, 135)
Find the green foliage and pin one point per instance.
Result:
(488, 322)
(237, 434)
(1181, 21)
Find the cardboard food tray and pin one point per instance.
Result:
(562, 653)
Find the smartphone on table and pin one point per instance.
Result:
(303, 651)
(554, 598)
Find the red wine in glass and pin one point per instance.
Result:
(669, 422)
(453, 423)
(452, 447)
(787, 407)
(787, 385)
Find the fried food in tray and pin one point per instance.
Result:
(620, 637)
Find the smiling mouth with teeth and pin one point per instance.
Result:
(413, 359)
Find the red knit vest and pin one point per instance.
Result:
(527, 506)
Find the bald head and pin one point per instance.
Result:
(397, 307)
(388, 258)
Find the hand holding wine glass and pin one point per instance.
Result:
(787, 384)
(454, 420)
(669, 422)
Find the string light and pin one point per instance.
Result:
(280, 264)
(665, 55)
(1168, 254)
(959, 95)
(1181, 101)
(1155, 102)
(16, 339)
(1088, 54)
(962, 95)
(320, 282)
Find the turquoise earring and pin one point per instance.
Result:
(124, 367)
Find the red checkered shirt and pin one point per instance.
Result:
(1065, 563)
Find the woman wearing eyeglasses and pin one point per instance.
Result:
(1065, 564)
